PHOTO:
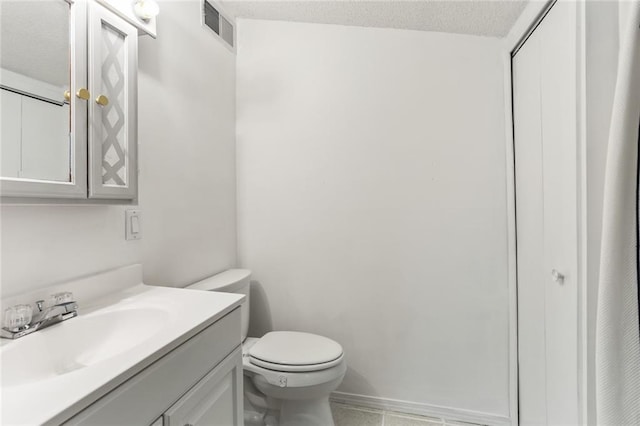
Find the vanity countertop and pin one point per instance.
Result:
(54, 373)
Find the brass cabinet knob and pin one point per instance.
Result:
(102, 100)
(83, 94)
(67, 95)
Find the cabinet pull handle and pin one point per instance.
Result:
(67, 96)
(83, 94)
(102, 100)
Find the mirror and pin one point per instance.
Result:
(35, 116)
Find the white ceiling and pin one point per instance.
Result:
(492, 18)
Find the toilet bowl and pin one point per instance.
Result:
(289, 375)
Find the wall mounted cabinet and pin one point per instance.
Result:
(89, 80)
(113, 64)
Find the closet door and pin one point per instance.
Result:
(545, 117)
(527, 119)
(559, 78)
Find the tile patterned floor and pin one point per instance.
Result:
(351, 415)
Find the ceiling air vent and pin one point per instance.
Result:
(218, 23)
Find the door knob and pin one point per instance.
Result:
(557, 276)
(83, 94)
(102, 100)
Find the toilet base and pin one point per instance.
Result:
(276, 398)
(315, 412)
(261, 410)
(309, 412)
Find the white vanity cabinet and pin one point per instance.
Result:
(215, 400)
(71, 125)
(197, 383)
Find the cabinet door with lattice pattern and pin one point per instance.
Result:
(113, 45)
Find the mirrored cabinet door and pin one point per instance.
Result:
(112, 111)
(43, 134)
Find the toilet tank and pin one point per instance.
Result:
(230, 281)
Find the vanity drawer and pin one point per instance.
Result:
(215, 400)
(147, 395)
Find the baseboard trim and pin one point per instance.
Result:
(448, 413)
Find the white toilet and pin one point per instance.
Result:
(288, 375)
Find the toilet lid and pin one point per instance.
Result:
(295, 351)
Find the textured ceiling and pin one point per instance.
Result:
(492, 18)
(34, 39)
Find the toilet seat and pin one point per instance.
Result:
(292, 351)
(297, 376)
(285, 379)
(286, 368)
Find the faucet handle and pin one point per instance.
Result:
(60, 298)
(17, 317)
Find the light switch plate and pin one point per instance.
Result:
(133, 225)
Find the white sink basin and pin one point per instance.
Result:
(123, 327)
(78, 343)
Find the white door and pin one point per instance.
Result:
(544, 110)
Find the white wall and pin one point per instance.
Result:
(372, 203)
(42, 245)
(187, 179)
(187, 149)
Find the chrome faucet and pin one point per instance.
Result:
(19, 321)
